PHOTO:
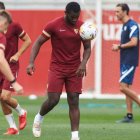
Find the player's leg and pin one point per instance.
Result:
(130, 93)
(12, 102)
(126, 80)
(127, 76)
(8, 113)
(74, 114)
(129, 107)
(51, 101)
(47, 106)
(73, 85)
(6, 101)
(55, 86)
(129, 102)
(12, 130)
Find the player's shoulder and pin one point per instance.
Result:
(15, 24)
(56, 20)
(132, 22)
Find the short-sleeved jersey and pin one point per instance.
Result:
(2, 41)
(130, 55)
(2, 47)
(13, 34)
(66, 43)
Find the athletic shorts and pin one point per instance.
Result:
(127, 74)
(4, 83)
(57, 79)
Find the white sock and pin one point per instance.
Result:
(74, 134)
(10, 120)
(38, 118)
(19, 110)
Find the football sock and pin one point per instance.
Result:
(19, 110)
(10, 120)
(130, 115)
(74, 134)
(38, 118)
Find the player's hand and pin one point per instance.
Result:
(18, 88)
(81, 71)
(115, 47)
(30, 69)
(14, 58)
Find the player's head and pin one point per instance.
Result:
(5, 20)
(122, 10)
(72, 12)
(2, 6)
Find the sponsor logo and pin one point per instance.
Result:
(62, 30)
(123, 72)
(125, 28)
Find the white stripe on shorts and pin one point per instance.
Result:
(126, 73)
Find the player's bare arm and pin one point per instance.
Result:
(34, 52)
(133, 42)
(26, 43)
(86, 54)
(5, 69)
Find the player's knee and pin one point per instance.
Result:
(53, 101)
(74, 102)
(4, 98)
(122, 88)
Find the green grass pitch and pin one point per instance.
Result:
(97, 121)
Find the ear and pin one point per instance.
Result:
(66, 12)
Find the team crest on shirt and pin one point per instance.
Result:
(76, 31)
(125, 28)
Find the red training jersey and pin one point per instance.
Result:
(14, 32)
(2, 41)
(66, 43)
(2, 46)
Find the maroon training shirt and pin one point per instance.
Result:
(13, 34)
(2, 41)
(66, 43)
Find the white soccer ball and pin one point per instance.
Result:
(88, 31)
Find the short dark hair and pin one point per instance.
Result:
(124, 7)
(2, 6)
(73, 6)
(6, 15)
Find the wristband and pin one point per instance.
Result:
(13, 81)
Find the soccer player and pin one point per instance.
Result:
(65, 67)
(12, 54)
(129, 55)
(5, 20)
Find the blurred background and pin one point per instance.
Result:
(103, 66)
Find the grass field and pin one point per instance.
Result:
(97, 121)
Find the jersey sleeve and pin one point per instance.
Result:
(134, 31)
(48, 30)
(2, 42)
(19, 31)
